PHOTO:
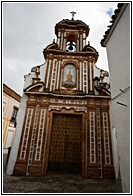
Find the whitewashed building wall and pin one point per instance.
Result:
(118, 52)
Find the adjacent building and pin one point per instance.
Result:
(117, 42)
(64, 118)
(11, 101)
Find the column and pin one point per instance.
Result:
(81, 72)
(90, 76)
(81, 42)
(58, 75)
(64, 41)
(48, 74)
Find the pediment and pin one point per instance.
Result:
(89, 49)
(52, 46)
(104, 92)
(34, 87)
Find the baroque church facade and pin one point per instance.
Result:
(64, 121)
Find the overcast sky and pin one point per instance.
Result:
(29, 27)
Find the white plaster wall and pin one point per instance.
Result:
(118, 51)
(15, 145)
(28, 79)
(120, 118)
(115, 151)
(9, 138)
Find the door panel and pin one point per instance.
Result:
(65, 146)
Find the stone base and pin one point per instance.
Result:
(108, 172)
(20, 168)
(93, 171)
(36, 169)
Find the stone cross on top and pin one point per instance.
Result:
(73, 13)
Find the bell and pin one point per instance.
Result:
(70, 47)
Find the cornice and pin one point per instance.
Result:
(71, 24)
(70, 96)
(11, 93)
(65, 53)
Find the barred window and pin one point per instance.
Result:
(14, 114)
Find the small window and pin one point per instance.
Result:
(14, 114)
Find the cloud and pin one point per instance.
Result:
(29, 27)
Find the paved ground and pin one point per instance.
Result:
(57, 184)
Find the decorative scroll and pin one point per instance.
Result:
(77, 109)
(68, 101)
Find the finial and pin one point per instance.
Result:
(73, 13)
(37, 71)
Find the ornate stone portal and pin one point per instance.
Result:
(66, 127)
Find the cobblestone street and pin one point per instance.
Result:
(57, 184)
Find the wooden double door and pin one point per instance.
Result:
(65, 145)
